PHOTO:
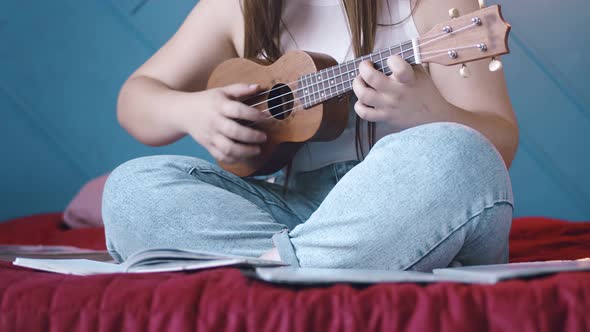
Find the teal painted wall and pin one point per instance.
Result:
(62, 63)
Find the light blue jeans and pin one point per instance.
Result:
(422, 199)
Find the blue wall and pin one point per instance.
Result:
(62, 63)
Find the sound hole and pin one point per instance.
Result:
(280, 101)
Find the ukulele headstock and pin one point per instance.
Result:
(477, 35)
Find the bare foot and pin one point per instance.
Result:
(271, 255)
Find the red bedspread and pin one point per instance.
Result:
(225, 300)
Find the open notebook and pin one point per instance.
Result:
(150, 260)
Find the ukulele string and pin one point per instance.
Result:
(443, 35)
(363, 58)
(319, 91)
(300, 106)
(436, 37)
(451, 49)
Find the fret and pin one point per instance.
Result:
(346, 77)
(401, 48)
(330, 78)
(340, 77)
(327, 85)
(336, 74)
(318, 88)
(328, 81)
(322, 80)
(307, 91)
(357, 64)
(355, 67)
(308, 88)
(312, 88)
(382, 63)
(409, 52)
(301, 88)
(333, 80)
(384, 67)
(349, 76)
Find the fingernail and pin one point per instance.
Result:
(253, 86)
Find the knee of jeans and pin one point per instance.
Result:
(132, 184)
(124, 182)
(454, 153)
(145, 170)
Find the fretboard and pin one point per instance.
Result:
(315, 88)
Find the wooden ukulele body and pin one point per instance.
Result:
(289, 123)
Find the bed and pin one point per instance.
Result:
(225, 300)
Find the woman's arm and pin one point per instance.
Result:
(165, 99)
(480, 101)
(412, 97)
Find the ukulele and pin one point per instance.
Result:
(305, 97)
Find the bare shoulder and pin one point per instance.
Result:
(431, 12)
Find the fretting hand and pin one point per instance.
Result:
(405, 99)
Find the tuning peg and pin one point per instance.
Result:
(464, 71)
(454, 12)
(482, 4)
(495, 65)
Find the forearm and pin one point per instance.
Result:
(500, 131)
(150, 111)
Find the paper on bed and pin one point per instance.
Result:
(498, 272)
(482, 274)
(151, 260)
(10, 252)
(311, 276)
(80, 267)
(84, 267)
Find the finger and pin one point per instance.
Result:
(231, 129)
(369, 113)
(240, 90)
(231, 149)
(401, 71)
(374, 78)
(365, 94)
(239, 111)
(219, 156)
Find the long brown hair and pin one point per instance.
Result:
(263, 27)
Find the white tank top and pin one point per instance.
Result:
(308, 22)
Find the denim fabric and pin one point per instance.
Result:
(421, 199)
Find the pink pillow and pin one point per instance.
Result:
(84, 210)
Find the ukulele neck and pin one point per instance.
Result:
(316, 88)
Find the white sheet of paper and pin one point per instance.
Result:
(290, 275)
(81, 267)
